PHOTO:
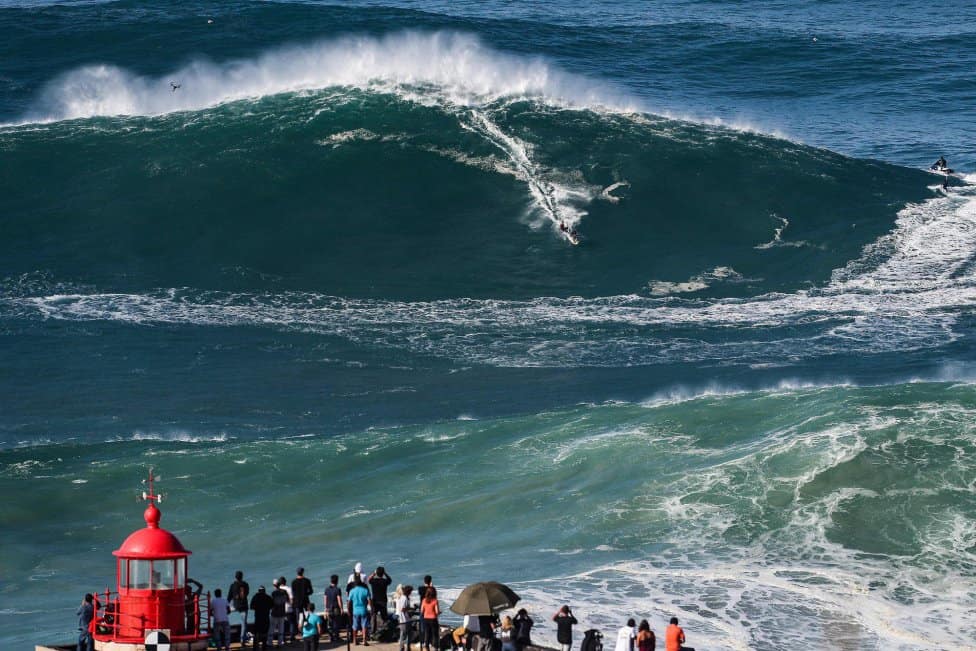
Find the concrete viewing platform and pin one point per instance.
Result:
(324, 644)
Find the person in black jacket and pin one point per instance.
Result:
(379, 582)
(301, 591)
(564, 627)
(261, 604)
(523, 626)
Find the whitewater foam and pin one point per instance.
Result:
(697, 283)
(171, 437)
(790, 582)
(560, 203)
(778, 236)
(452, 66)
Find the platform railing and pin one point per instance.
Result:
(112, 618)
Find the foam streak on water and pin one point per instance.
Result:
(903, 294)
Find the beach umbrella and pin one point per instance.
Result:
(484, 598)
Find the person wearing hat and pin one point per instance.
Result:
(356, 571)
(261, 605)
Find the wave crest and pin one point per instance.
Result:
(452, 66)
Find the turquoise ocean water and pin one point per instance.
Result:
(320, 287)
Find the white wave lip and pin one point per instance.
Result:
(458, 66)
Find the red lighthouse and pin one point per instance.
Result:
(152, 603)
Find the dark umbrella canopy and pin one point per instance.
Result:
(485, 598)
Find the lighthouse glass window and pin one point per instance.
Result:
(139, 574)
(163, 575)
(180, 565)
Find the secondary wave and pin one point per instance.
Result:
(452, 66)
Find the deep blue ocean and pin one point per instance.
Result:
(305, 260)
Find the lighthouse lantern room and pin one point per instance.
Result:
(152, 599)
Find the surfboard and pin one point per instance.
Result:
(572, 239)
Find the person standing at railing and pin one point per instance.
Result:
(301, 591)
(402, 606)
(523, 629)
(333, 607)
(238, 595)
(379, 582)
(190, 603)
(279, 601)
(430, 610)
(220, 628)
(291, 613)
(86, 613)
(261, 605)
(311, 628)
(564, 627)
(359, 606)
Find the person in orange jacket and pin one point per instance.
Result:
(674, 637)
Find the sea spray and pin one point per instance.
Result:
(458, 67)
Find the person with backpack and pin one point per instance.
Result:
(279, 605)
(311, 627)
(564, 627)
(237, 594)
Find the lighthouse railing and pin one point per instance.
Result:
(114, 622)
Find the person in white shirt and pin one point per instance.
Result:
(402, 606)
(221, 623)
(462, 634)
(626, 636)
(291, 617)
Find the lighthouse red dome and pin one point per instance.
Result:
(152, 542)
